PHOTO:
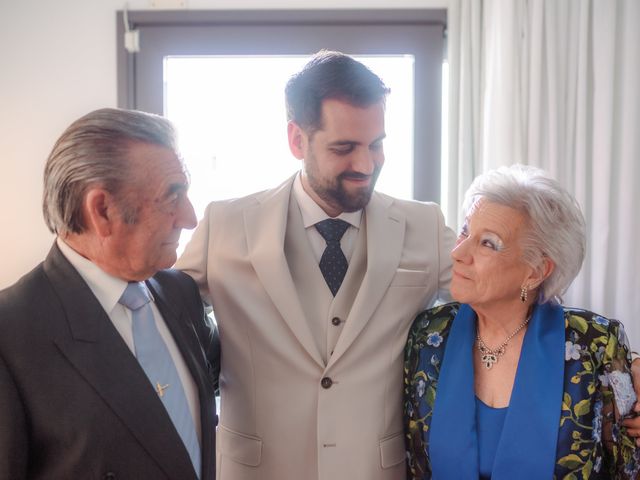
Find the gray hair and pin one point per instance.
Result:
(93, 150)
(556, 225)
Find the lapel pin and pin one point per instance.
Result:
(161, 388)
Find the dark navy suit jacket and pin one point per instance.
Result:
(74, 402)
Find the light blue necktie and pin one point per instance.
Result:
(154, 357)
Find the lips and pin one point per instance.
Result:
(358, 181)
(460, 275)
(355, 177)
(361, 181)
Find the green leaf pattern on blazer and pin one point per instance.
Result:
(591, 440)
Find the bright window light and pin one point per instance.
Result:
(230, 116)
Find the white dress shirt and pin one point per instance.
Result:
(108, 290)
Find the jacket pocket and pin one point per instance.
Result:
(392, 450)
(239, 447)
(409, 278)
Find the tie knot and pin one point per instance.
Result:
(135, 296)
(332, 229)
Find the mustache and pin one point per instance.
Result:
(353, 176)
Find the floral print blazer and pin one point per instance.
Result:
(571, 392)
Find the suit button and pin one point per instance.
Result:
(109, 476)
(336, 321)
(326, 382)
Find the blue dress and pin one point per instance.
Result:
(490, 422)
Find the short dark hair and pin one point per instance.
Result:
(330, 75)
(94, 150)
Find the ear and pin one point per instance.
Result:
(540, 274)
(100, 211)
(297, 139)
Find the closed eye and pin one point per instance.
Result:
(345, 149)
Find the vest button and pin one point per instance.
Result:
(326, 382)
(336, 321)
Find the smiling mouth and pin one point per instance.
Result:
(457, 274)
(359, 179)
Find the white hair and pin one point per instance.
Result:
(556, 225)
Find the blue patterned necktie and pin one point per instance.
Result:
(154, 358)
(333, 263)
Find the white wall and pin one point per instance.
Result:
(58, 62)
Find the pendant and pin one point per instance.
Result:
(488, 359)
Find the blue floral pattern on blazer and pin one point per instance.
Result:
(592, 443)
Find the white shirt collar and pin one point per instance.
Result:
(106, 288)
(312, 213)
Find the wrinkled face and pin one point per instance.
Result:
(158, 196)
(488, 266)
(342, 160)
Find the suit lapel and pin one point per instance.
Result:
(385, 238)
(536, 400)
(454, 412)
(265, 227)
(186, 339)
(101, 357)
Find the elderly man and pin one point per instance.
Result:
(108, 364)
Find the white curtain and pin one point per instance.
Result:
(556, 84)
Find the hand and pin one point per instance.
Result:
(633, 424)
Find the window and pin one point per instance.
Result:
(223, 137)
(160, 78)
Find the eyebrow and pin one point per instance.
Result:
(500, 236)
(465, 226)
(338, 143)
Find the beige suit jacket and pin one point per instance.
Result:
(285, 413)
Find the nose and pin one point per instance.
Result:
(366, 161)
(186, 217)
(460, 252)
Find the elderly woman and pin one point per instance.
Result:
(507, 383)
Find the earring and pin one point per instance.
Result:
(523, 294)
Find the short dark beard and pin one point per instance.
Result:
(338, 197)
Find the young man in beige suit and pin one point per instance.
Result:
(313, 325)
